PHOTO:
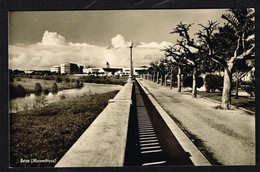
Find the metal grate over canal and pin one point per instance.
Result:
(150, 141)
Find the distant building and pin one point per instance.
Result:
(81, 68)
(71, 68)
(111, 71)
(107, 65)
(55, 69)
(65, 68)
(87, 70)
(28, 72)
(136, 71)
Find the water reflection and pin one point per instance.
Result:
(27, 102)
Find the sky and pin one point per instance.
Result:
(39, 40)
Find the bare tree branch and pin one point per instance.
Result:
(246, 53)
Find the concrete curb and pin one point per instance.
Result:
(197, 157)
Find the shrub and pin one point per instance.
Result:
(67, 80)
(54, 88)
(46, 91)
(38, 87)
(40, 101)
(249, 87)
(58, 79)
(79, 83)
(73, 80)
(187, 81)
(250, 90)
(213, 82)
(18, 91)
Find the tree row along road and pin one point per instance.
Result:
(227, 135)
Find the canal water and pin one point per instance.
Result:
(27, 102)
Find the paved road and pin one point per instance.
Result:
(228, 135)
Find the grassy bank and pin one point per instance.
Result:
(242, 101)
(47, 133)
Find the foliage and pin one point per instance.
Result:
(38, 87)
(58, 79)
(213, 82)
(40, 101)
(20, 90)
(250, 90)
(79, 83)
(249, 87)
(187, 81)
(46, 91)
(17, 91)
(54, 88)
(67, 80)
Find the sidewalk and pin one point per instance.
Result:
(229, 135)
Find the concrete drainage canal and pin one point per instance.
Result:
(149, 141)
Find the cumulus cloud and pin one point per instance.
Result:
(119, 41)
(53, 50)
(52, 38)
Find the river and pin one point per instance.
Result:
(27, 102)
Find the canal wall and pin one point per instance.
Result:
(103, 144)
(196, 156)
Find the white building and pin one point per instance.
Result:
(87, 70)
(55, 69)
(64, 68)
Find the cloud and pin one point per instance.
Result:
(81, 45)
(52, 38)
(119, 41)
(53, 50)
(154, 45)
